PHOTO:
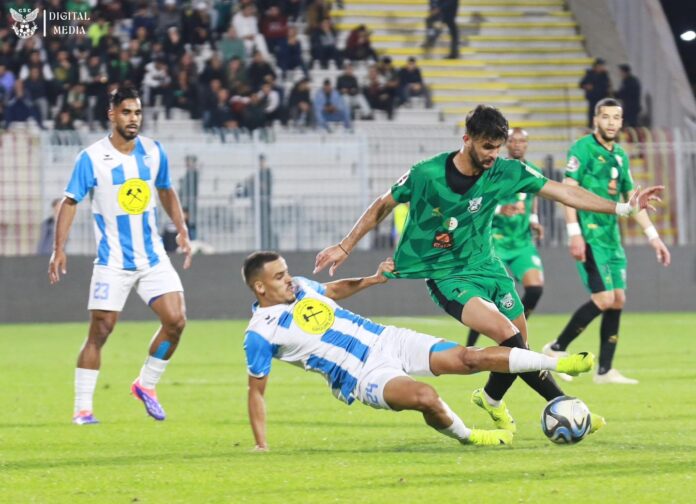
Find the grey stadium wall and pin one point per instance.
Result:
(214, 289)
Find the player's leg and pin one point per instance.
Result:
(609, 330)
(161, 288)
(108, 292)
(533, 282)
(596, 276)
(403, 393)
(449, 358)
(527, 268)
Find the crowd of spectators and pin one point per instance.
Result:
(235, 65)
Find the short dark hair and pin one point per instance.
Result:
(606, 102)
(123, 93)
(487, 122)
(255, 262)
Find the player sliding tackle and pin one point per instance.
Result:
(298, 321)
(452, 198)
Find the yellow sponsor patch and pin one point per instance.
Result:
(313, 316)
(134, 196)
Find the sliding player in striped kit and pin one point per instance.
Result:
(298, 321)
(123, 171)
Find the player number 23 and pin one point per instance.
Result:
(101, 290)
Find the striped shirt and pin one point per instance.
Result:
(124, 203)
(315, 333)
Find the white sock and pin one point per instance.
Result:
(522, 361)
(151, 372)
(493, 402)
(457, 430)
(85, 383)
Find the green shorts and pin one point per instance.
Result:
(604, 269)
(521, 261)
(489, 281)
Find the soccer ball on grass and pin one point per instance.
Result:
(566, 420)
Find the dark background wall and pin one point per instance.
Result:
(214, 289)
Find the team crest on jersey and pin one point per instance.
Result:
(614, 172)
(475, 204)
(619, 160)
(451, 224)
(313, 316)
(443, 240)
(573, 164)
(507, 301)
(134, 196)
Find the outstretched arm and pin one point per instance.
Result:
(341, 289)
(661, 250)
(335, 255)
(257, 411)
(59, 261)
(576, 242)
(172, 205)
(582, 199)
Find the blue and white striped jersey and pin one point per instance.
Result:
(124, 203)
(315, 333)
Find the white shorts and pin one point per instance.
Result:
(110, 287)
(400, 352)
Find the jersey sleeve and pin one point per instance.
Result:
(163, 181)
(312, 284)
(401, 190)
(531, 180)
(626, 178)
(82, 179)
(576, 162)
(259, 354)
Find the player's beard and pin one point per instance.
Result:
(127, 135)
(478, 165)
(605, 136)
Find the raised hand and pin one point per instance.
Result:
(332, 256)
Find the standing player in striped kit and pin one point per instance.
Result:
(123, 170)
(298, 321)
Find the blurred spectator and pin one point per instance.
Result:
(411, 83)
(317, 11)
(173, 46)
(596, 84)
(7, 80)
(97, 30)
(213, 70)
(121, 70)
(300, 104)
(445, 12)
(231, 46)
(188, 191)
(209, 102)
(93, 74)
(196, 24)
(45, 246)
(629, 94)
(290, 54)
(35, 61)
(81, 6)
(324, 45)
(236, 79)
(36, 91)
(358, 46)
(64, 129)
(167, 17)
(378, 95)
(258, 71)
(20, 108)
(157, 82)
(274, 28)
(246, 24)
(254, 113)
(273, 104)
(390, 77)
(143, 18)
(330, 107)
(185, 95)
(76, 101)
(64, 121)
(347, 85)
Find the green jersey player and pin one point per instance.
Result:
(515, 219)
(598, 164)
(447, 240)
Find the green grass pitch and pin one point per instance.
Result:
(321, 450)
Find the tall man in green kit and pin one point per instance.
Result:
(597, 163)
(447, 240)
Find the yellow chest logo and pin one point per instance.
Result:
(134, 196)
(313, 316)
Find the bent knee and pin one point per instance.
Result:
(470, 359)
(175, 326)
(604, 300)
(427, 399)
